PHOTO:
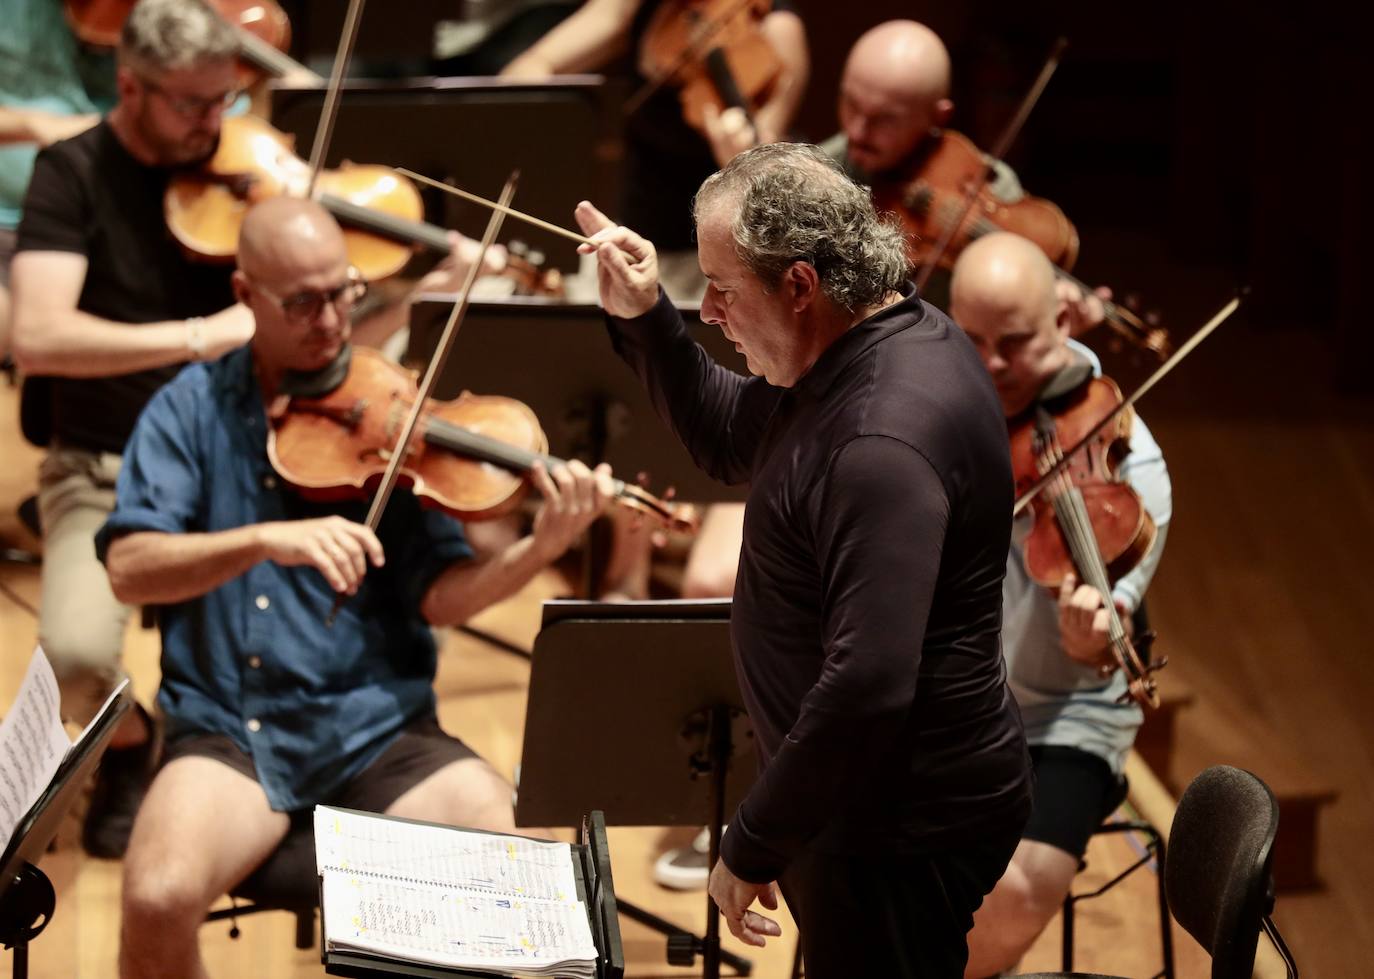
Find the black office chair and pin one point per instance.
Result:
(286, 881)
(1218, 877)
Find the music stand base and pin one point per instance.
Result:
(26, 907)
(681, 938)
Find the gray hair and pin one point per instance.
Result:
(170, 35)
(796, 204)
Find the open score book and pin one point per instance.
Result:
(405, 891)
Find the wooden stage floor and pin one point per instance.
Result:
(482, 698)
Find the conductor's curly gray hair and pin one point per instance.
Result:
(170, 35)
(795, 204)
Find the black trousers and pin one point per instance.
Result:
(892, 917)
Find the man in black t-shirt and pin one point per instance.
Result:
(106, 309)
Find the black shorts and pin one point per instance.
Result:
(1074, 792)
(421, 749)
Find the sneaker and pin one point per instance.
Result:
(121, 781)
(687, 867)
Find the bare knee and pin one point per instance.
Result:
(1024, 901)
(162, 899)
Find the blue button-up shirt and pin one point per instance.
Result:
(311, 704)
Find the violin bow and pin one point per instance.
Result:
(436, 365)
(495, 206)
(1008, 136)
(1221, 316)
(705, 33)
(324, 131)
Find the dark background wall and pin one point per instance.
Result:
(1198, 146)
(1218, 134)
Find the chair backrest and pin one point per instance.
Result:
(1217, 872)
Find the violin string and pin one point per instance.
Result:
(487, 449)
(493, 205)
(1082, 541)
(1073, 514)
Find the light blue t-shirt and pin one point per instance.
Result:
(1062, 702)
(43, 66)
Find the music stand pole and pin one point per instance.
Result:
(718, 751)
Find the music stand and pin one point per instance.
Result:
(26, 895)
(636, 706)
(475, 131)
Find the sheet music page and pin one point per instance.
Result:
(478, 863)
(444, 926)
(32, 743)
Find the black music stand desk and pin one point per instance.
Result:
(636, 706)
(562, 134)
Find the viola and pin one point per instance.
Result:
(1087, 521)
(263, 28)
(468, 457)
(713, 51)
(931, 196)
(379, 210)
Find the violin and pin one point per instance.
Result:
(379, 210)
(931, 197)
(468, 457)
(714, 52)
(1087, 522)
(263, 28)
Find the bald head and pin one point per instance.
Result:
(1006, 272)
(1003, 294)
(294, 276)
(283, 237)
(904, 57)
(895, 90)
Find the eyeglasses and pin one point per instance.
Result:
(305, 307)
(193, 106)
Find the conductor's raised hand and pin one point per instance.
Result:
(626, 264)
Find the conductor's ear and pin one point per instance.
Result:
(803, 285)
